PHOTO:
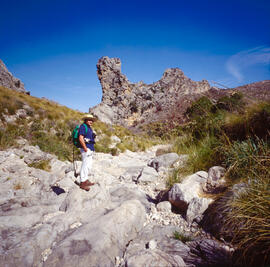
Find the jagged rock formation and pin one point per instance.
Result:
(126, 102)
(9, 81)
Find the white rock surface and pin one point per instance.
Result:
(47, 220)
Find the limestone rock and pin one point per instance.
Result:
(167, 252)
(196, 208)
(165, 160)
(99, 242)
(148, 175)
(122, 193)
(127, 103)
(8, 80)
(181, 194)
(81, 200)
(215, 182)
(47, 220)
(164, 206)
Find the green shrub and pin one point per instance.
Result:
(202, 154)
(231, 103)
(254, 122)
(247, 159)
(250, 217)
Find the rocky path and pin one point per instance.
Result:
(47, 220)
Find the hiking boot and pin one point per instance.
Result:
(84, 186)
(87, 182)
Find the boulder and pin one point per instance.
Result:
(102, 240)
(181, 194)
(147, 175)
(78, 199)
(122, 193)
(131, 174)
(196, 208)
(165, 160)
(166, 251)
(215, 182)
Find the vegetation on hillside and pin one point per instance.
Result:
(235, 136)
(49, 125)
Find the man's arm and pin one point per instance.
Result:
(81, 139)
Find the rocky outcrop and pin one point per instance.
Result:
(9, 81)
(129, 103)
(47, 220)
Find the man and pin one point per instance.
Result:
(87, 141)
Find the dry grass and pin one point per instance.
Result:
(42, 164)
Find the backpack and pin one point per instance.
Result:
(75, 135)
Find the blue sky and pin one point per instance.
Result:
(53, 46)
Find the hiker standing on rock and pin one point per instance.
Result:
(87, 141)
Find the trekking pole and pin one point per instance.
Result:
(75, 173)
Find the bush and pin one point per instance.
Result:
(251, 211)
(231, 103)
(247, 159)
(254, 122)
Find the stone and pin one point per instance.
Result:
(166, 250)
(152, 244)
(78, 199)
(148, 175)
(34, 154)
(21, 113)
(196, 208)
(131, 174)
(181, 194)
(163, 149)
(164, 206)
(121, 193)
(165, 160)
(9, 81)
(215, 182)
(156, 258)
(98, 243)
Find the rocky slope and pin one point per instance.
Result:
(256, 91)
(126, 102)
(9, 81)
(47, 220)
